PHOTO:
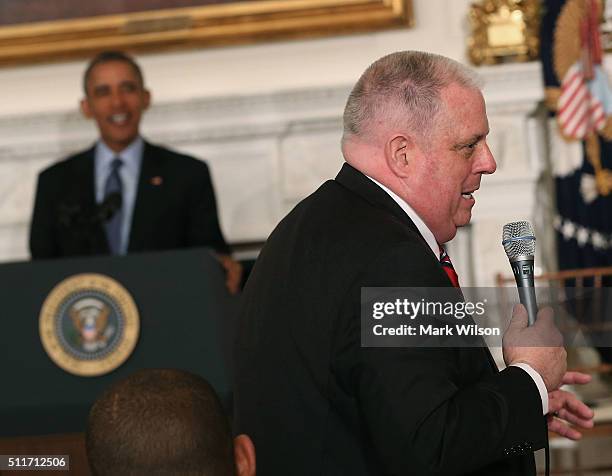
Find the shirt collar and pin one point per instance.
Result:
(131, 156)
(425, 232)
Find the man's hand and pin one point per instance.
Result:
(233, 273)
(565, 407)
(540, 346)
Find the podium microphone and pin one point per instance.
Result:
(519, 243)
(107, 209)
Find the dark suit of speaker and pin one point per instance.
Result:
(316, 403)
(175, 207)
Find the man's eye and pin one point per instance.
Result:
(468, 149)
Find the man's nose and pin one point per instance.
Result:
(117, 98)
(486, 162)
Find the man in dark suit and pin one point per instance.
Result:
(312, 398)
(124, 194)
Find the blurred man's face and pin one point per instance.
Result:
(115, 99)
(448, 169)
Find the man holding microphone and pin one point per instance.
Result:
(311, 397)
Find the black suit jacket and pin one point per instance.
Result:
(316, 403)
(175, 207)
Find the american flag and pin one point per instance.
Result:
(580, 109)
(580, 112)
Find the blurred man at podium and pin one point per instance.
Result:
(125, 194)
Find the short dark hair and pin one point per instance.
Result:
(107, 57)
(159, 421)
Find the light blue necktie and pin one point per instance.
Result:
(113, 225)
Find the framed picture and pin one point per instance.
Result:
(504, 30)
(40, 30)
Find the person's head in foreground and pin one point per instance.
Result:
(416, 122)
(163, 421)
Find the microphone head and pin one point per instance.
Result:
(114, 201)
(107, 209)
(518, 239)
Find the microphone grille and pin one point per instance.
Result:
(518, 239)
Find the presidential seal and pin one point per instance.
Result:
(89, 324)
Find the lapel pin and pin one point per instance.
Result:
(157, 180)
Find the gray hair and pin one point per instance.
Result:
(403, 88)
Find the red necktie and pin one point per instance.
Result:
(447, 265)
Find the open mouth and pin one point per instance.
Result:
(119, 119)
(469, 194)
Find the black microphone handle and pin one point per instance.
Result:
(107, 209)
(522, 268)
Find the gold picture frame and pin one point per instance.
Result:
(228, 23)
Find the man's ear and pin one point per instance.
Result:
(398, 152)
(85, 109)
(244, 456)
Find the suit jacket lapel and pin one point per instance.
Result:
(146, 196)
(85, 198)
(85, 168)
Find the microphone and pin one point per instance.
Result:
(108, 207)
(519, 243)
